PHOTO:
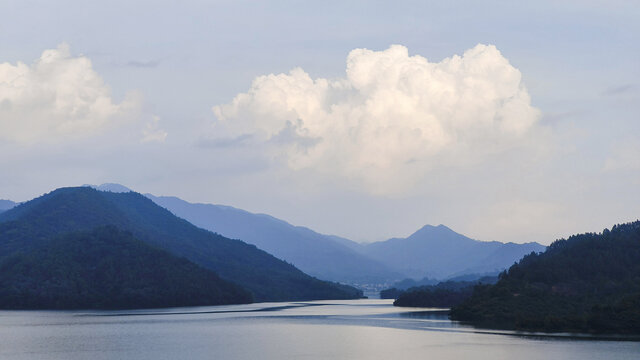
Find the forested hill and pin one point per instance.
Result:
(587, 283)
(108, 269)
(33, 224)
(444, 294)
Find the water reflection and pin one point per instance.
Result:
(361, 329)
(440, 318)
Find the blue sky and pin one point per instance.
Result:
(128, 89)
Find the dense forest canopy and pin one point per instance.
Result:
(586, 283)
(34, 224)
(107, 268)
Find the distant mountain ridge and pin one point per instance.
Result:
(33, 224)
(436, 252)
(439, 252)
(322, 256)
(316, 254)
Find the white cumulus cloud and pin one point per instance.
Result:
(391, 119)
(59, 97)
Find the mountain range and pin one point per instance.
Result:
(316, 254)
(438, 252)
(433, 251)
(35, 224)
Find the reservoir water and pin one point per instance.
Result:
(357, 329)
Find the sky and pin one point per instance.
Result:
(508, 121)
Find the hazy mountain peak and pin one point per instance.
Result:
(426, 227)
(430, 228)
(439, 252)
(438, 235)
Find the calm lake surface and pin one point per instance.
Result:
(357, 329)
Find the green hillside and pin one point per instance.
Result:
(587, 283)
(108, 269)
(35, 223)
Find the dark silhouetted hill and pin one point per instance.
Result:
(443, 294)
(586, 283)
(409, 283)
(35, 223)
(108, 269)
